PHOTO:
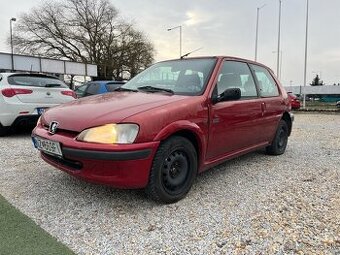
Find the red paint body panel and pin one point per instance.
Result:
(120, 174)
(222, 131)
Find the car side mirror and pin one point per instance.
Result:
(229, 94)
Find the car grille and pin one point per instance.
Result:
(74, 165)
(65, 132)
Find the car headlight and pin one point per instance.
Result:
(110, 134)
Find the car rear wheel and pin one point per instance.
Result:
(173, 170)
(280, 141)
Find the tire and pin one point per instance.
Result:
(3, 130)
(173, 170)
(280, 141)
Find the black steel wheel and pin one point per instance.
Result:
(3, 130)
(173, 170)
(280, 141)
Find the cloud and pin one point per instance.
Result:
(196, 17)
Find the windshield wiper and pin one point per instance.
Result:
(155, 89)
(125, 89)
(52, 85)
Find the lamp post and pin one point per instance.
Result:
(180, 38)
(11, 31)
(305, 69)
(257, 28)
(280, 67)
(278, 43)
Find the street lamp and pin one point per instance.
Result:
(11, 31)
(280, 68)
(180, 38)
(278, 42)
(305, 70)
(257, 28)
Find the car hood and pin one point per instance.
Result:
(106, 108)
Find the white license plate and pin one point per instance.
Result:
(47, 146)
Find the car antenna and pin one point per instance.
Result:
(187, 54)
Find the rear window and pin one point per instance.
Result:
(112, 86)
(35, 81)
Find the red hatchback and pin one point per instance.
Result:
(169, 123)
(294, 101)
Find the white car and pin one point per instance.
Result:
(24, 97)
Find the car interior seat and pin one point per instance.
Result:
(229, 81)
(249, 88)
(188, 83)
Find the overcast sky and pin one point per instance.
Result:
(227, 27)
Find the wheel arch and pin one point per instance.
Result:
(190, 131)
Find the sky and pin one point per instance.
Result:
(227, 27)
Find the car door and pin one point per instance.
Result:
(271, 101)
(235, 125)
(92, 89)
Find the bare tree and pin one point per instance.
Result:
(89, 31)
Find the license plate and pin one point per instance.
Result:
(48, 146)
(41, 110)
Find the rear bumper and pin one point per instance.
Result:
(11, 114)
(120, 166)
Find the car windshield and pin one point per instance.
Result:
(112, 86)
(183, 77)
(35, 81)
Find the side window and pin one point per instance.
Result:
(81, 90)
(236, 75)
(93, 89)
(267, 85)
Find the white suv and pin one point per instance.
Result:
(24, 97)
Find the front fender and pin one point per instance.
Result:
(184, 127)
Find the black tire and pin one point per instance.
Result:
(3, 130)
(173, 171)
(280, 141)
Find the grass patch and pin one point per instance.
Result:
(20, 235)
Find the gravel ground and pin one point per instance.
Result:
(256, 204)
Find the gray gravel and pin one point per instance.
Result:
(256, 204)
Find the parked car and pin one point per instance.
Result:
(294, 101)
(338, 104)
(97, 87)
(175, 119)
(24, 97)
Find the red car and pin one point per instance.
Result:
(294, 101)
(174, 120)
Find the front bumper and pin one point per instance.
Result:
(121, 166)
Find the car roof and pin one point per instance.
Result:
(29, 74)
(222, 57)
(106, 82)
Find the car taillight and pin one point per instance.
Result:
(69, 93)
(12, 92)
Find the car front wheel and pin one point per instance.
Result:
(173, 170)
(3, 130)
(280, 141)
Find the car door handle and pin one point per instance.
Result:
(263, 108)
